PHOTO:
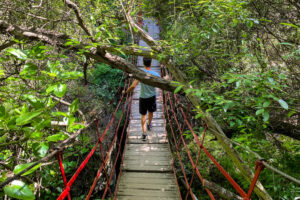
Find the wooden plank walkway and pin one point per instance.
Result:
(147, 171)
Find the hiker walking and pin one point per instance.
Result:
(147, 101)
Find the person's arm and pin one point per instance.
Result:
(133, 85)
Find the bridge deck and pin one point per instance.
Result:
(147, 166)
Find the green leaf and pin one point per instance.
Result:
(19, 190)
(71, 75)
(27, 117)
(266, 116)
(18, 53)
(3, 176)
(2, 73)
(198, 115)
(188, 91)
(283, 104)
(55, 114)
(21, 167)
(292, 25)
(291, 113)
(260, 111)
(74, 106)
(231, 80)
(56, 137)
(34, 101)
(43, 149)
(2, 111)
(286, 43)
(266, 104)
(60, 90)
(50, 88)
(3, 139)
(237, 84)
(178, 89)
(36, 135)
(29, 69)
(281, 76)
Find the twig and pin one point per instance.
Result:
(11, 169)
(68, 104)
(79, 18)
(8, 44)
(127, 19)
(57, 149)
(265, 163)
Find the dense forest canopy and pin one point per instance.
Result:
(237, 62)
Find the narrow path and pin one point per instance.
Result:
(147, 166)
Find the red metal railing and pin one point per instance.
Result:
(259, 166)
(102, 168)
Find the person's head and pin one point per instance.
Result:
(147, 62)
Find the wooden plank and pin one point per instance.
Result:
(132, 197)
(136, 128)
(148, 147)
(147, 193)
(138, 140)
(143, 157)
(147, 165)
(154, 121)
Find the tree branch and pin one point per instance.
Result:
(57, 149)
(79, 18)
(8, 44)
(222, 192)
(212, 124)
(68, 104)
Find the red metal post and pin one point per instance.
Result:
(259, 166)
(61, 166)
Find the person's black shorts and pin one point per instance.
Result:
(147, 104)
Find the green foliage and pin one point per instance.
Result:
(107, 81)
(21, 167)
(28, 107)
(19, 190)
(246, 100)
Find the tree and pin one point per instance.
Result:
(93, 29)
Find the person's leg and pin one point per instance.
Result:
(151, 109)
(143, 123)
(143, 112)
(150, 117)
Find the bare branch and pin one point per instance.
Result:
(130, 28)
(68, 104)
(79, 18)
(222, 192)
(144, 35)
(97, 54)
(8, 44)
(57, 149)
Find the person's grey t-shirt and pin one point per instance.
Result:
(148, 91)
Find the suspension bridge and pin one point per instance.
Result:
(147, 167)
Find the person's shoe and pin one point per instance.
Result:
(144, 137)
(149, 126)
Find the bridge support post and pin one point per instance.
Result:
(259, 166)
(59, 158)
